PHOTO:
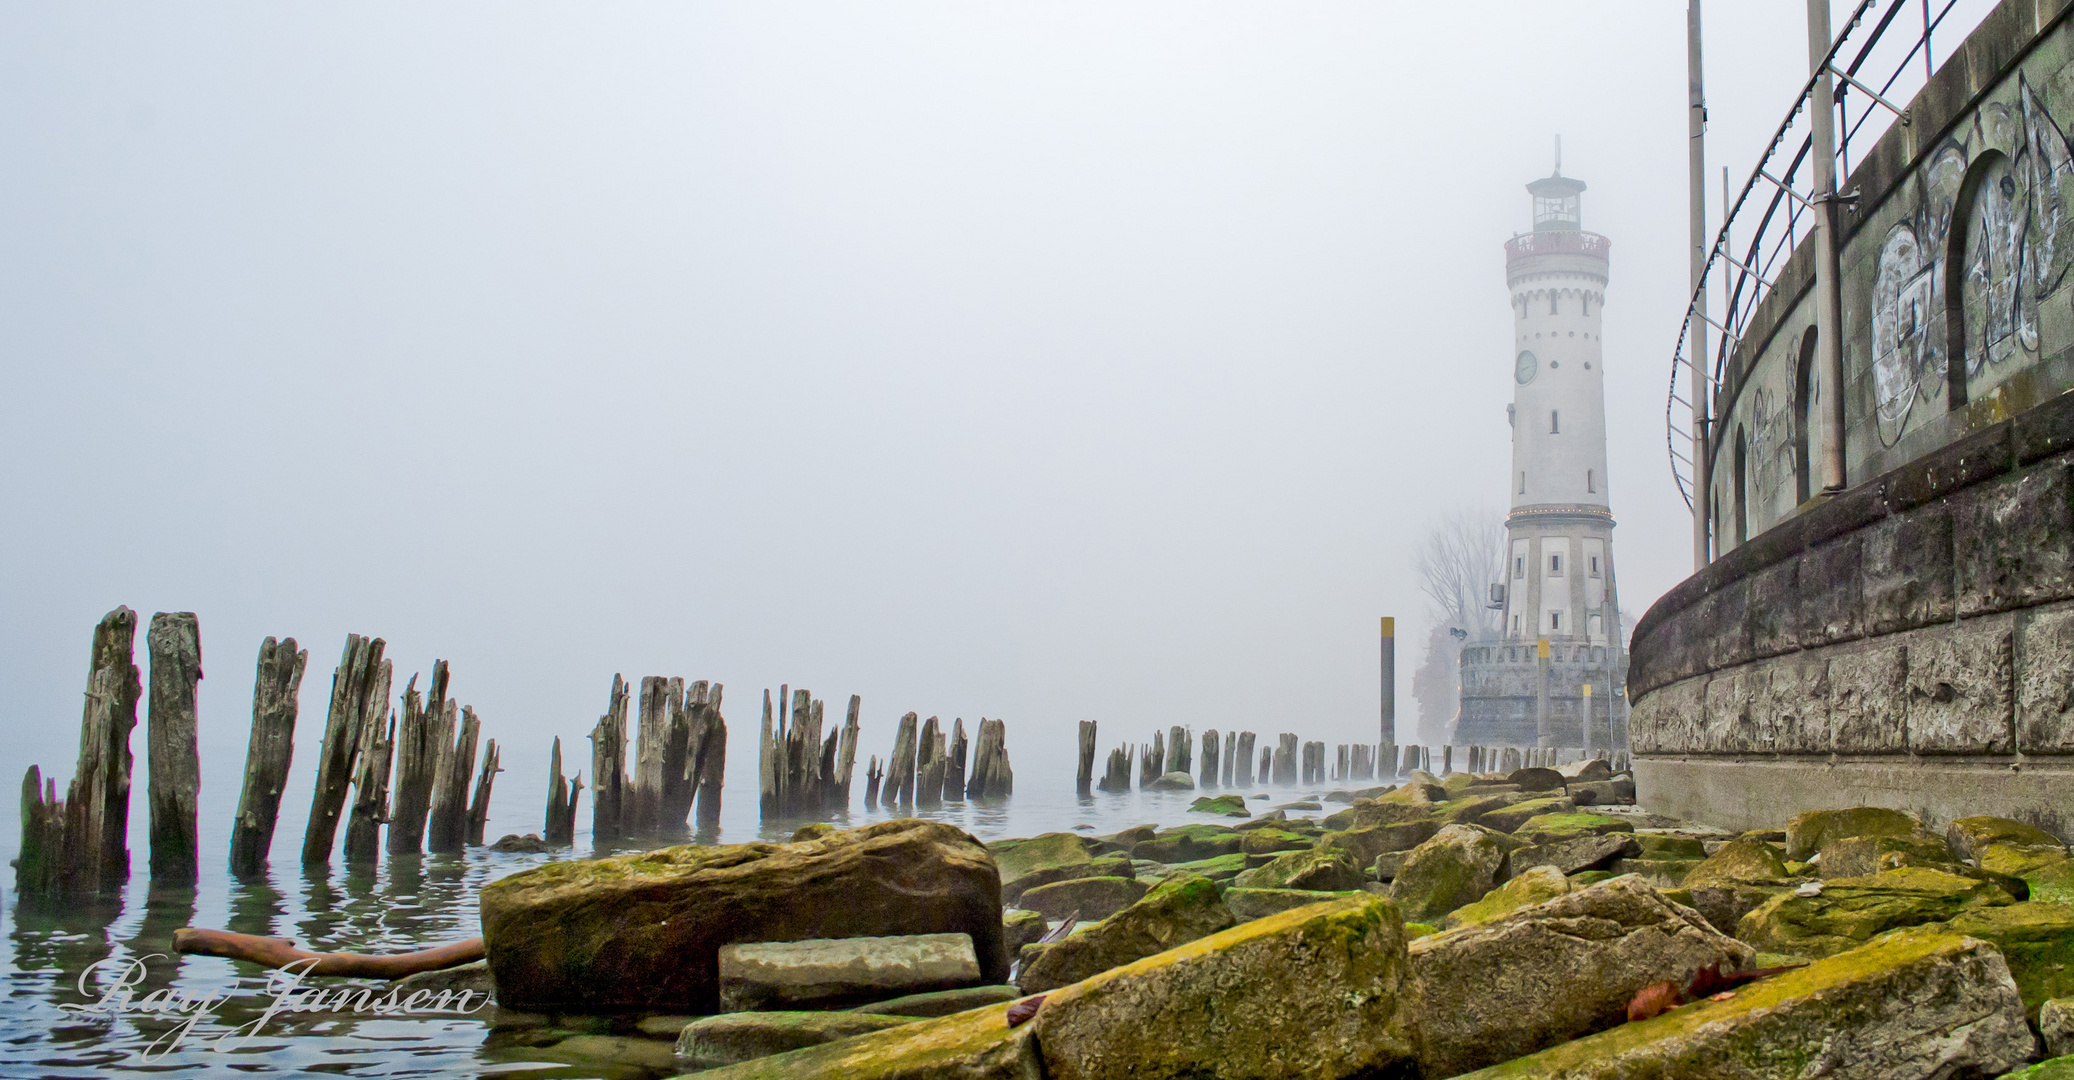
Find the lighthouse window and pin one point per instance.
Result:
(1595, 565)
(1555, 422)
(1588, 482)
(1515, 624)
(1523, 483)
(1552, 303)
(1555, 566)
(1555, 620)
(1519, 566)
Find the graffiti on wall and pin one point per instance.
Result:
(2017, 240)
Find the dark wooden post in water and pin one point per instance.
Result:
(560, 827)
(175, 644)
(846, 757)
(479, 806)
(608, 768)
(371, 772)
(1152, 759)
(954, 773)
(1267, 762)
(36, 869)
(899, 786)
(1084, 777)
(1231, 755)
(1179, 750)
(336, 756)
(418, 738)
(1209, 778)
(97, 805)
(930, 764)
(447, 831)
(991, 776)
(708, 756)
(680, 774)
(768, 767)
(873, 773)
(1244, 761)
(275, 693)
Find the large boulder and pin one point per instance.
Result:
(2047, 872)
(1537, 778)
(974, 1045)
(837, 972)
(1378, 811)
(2059, 1068)
(1272, 841)
(1178, 910)
(1738, 862)
(1536, 885)
(1188, 843)
(1576, 853)
(1318, 869)
(1969, 837)
(1228, 805)
(733, 1037)
(1544, 827)
(1807, 832)
(1915, 1005)
(2056, 1026)
(2037, 941)
(1173, 781)
(1859, 856)
(1509, 818)
(1041, 860)
(1365, 843)
(1247, 904)
(1554, 971)
(1318, 991)
(1091, 898)
(643, 932)
(1844, 913)
(1586, 769)
(1457, 866)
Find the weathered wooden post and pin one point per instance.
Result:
(1117, 776)
(417, 753)
(1084, 777)
(1179, 747)
(768, 766)
(479, 806)
(560, 826)
(608, 768)
(991, 776)
(1231, 753)
(929, 764)
(900, 775)
(954, 774)
(275, 694)
(1245, 759)
(1285, 759)
(644, 797)
(95, 855)
(1209, 777)
(710, 757)
(846, 758)
(1267, 761)
(175, 644)
(1152, 760)
(679, 782)
(37, 870)
(872, 775)
(448, 829)
(371, 772)
(339, 752)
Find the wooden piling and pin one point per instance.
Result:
(1084, 776)
(608, 768)
(96, 854)
(38, 868)
(339, 752)
(873, 773)
(276, 690)
(929, 764)
(1152, 760)
(768, 766)
(1231, 754)
(1245, 759)
(679, 781)
(447, 829)
(417, 754)
(709, 753)
(1210, 746)
(1117, 776)
(954, 775)
(991, 776)
(1284, 763)
(900, 769)
(1179, 749)
(846, 757)
(175, 644)
(479, 806)
(560, 826)
(370, 805)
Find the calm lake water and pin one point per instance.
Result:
(404, 903)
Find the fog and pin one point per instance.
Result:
(1048, 362)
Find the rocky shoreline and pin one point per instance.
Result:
(1529, 924)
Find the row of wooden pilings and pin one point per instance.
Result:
(1229, 762)
(803, 774)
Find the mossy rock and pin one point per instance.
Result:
(1017, 858)
(1509, 818)
(1582, 878)
(1091, 898)
(1416, 930)
(1362, 815)
(974, 1043)
(2047, 871)
(1319, 869)
(1131, 837)
(1660, 873)
(1738, 861)
(1545, 827)
(1107, 866)
(1272, 841)
(1969, 837)
(1414, 793)
(1807, 832)
(1456, 867)
(1364, 844)
(1020, 927)
(1530, 888)
(1857, 856)
(735, 1037)
(1847, 912)
(1188, 843)
(2037, 940)
(1228, 805)
(1471, 806)
(1249, 904)
(1177, 911)
(1173, 781)
(2059, 1068)
(1219, 868)
(1657, 846)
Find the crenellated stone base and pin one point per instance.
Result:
(1760, 791)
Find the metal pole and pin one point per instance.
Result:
(1586, 726)
(1389, 655)
(1542, 736)
(1696, 155)
(1828, 291)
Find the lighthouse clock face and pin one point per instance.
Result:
(1523, 369)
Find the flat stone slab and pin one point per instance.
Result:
(737, 1037)
(833, 972)
(942, 1002)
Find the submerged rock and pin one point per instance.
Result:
(1566, 967)
(1456, 867)
(736, 1037)
(1173, 781)
(1094, 897)
(1177, 911)
(1916, 1005)
(1319, 991)
(1228, 805)
(528, 844)
(1846, 912)
(1807, 832)
(830, 973)
(643, 932)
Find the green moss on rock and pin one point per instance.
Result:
(1847, 912)
(1530, 888)
(2037, 941)
(1318, 869)
(1807, 832)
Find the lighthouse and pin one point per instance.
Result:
(1556, 675)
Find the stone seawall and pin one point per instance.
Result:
(1908, 643)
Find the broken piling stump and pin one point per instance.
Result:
(275, 692)
(175, 644)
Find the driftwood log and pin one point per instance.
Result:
(275, 692)
(608, 768)
(174, 765)
(274, 952)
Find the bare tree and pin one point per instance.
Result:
(1462, 557)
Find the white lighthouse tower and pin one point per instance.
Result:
(1557, 594)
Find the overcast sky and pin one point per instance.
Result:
(1048, 361)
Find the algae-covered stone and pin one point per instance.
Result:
(1858, 856)
(1178, 910)
(1724, 905)
(1545, 827)
(1188, 843)
(1847, 912)
(1807, 832)
(2059, 1068)
(1020, 927)
(941, 1002)
(1916, 1005)
(2037, 941)
(2047, 872)
(1661, 846)
(974, 1045)
(1575, 853)
(1524, 890)
(1661, 873)
(1363, 814)
(1508, 819)
(1319, 991)
(835, 972)
(1470, 808)
(1559, 969)
(1737, 862)
(2056, 1025)
(1272, 841)
(1173, 781)
(1248, 904)
(1228, 805)
(1414, 793)
(1093, 898)
(1457, 866)
(1363, 844)
(1536, 778)
(1218, 868)
(1969, 837)
(735, 1037)
(643, 932)
(1039, 860)
(1318, 869)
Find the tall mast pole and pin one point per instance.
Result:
(1696, 385)
(1828, 291)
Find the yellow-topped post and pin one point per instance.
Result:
(1543, 738)
(1389, 678)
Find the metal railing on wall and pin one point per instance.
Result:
(1773, 213)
